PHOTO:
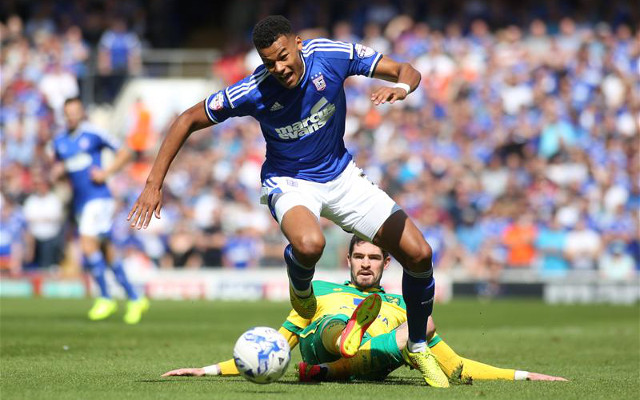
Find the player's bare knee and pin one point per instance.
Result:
(419, 258)
(309, 248)
(89, 245)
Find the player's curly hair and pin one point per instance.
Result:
(269, 29)
(355, 240)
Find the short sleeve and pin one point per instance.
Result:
(295, 323)
(364, 60)
(235, 100)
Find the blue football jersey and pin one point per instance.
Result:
(303, 126)
(80, 151)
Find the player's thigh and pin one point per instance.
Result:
(402, 238)
(357, 205)
(296, 206)
(302, 230)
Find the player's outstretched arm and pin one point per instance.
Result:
(406, 77)
(228, 367)
(150, 200)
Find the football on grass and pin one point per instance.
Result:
(262, 355)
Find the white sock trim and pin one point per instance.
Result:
(416, 347)
(521, 376)
(211, 369)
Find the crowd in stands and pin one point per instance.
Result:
(520, 150)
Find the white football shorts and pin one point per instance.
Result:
(351, 200)
(96, 217)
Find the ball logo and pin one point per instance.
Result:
(217, 102)
(363, 51)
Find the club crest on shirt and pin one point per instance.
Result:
(392, 300)
(318, 81)
(363, 51)
(217, 102)
(84, 143)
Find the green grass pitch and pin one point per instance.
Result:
(49, 350)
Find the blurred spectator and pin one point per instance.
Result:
(616, 264)
(75, 53)
(583, 247)
(212, 240)
(12, 241)
(181, 249)
(241, 250)
(58, 85)
(44, 212)
(519, 238)
(557, 133)
(118, 58)
(550, 244)
(140, 134)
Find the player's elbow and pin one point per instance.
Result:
(193, 119)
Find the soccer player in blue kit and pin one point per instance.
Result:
(298, 97)
(77, 151)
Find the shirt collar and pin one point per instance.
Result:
(304, 70)
(378, 289)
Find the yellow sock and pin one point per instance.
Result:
(331, 335)
(449, 360)
(228, 367)
(484, 372)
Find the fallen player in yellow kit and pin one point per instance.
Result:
(360, 332)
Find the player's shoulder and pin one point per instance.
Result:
(247, 89)
(92, 130)
(327, 48)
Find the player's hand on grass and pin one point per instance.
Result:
(149, 202)
(534, 376)
(387, 94)
(98, 175)
(185, 372)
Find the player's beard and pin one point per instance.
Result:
(366, 281)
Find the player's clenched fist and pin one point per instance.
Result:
(148, 203)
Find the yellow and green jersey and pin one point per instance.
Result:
(334, 298)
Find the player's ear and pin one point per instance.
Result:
(299, 43)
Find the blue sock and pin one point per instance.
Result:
(299, 275)
(122, 279)
(418, 290)
(97, 266)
